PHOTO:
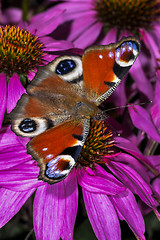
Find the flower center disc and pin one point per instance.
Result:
(20, 51)
(127, 14)
(98, 144)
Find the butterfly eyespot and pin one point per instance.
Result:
(68, 68)
(65, 66)
(28, 125)
(126, 53)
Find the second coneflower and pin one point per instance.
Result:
(22, 50)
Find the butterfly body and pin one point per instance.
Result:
(61, 100)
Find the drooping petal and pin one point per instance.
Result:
(15, 90)
(71, 205)
(134, 163)
(3, 96)
(99, 181)
(11, 202)
(151, 43)
(127, 145)
(119, 96)
(156, 187)
(102, 216)
(133, 180)
(49, 211)
(126, 204)
(141, 80)
(155, 110)
(142, 120)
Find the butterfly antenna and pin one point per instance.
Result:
(117, 133)
(29, 234)
(128, 105)
(104, 118)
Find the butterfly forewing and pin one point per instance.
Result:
(105, 66)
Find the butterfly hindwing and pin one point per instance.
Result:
(57, 149)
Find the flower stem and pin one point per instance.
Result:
(25, 7)
(151, 147)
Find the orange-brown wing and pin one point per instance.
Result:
(105, 66)
(56, 150)
(49, 102)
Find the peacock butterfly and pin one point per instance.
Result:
(61, 100)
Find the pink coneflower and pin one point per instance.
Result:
(108, 191)
(22, 49)
(148, 120)
(95, 20)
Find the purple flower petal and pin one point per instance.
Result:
(133, 181)
(51, 19)
(155, 160)
(12, 156)
(155, 113)
(126, 204)
(80, 25)
(3, 96)
(142, 120)
(54, 45)
(102, 216)
(156, 187)
(134, 163)
(7, 138)
(71, 205)
(110, 37)
(75, 10)
(119, 96)
(15, 90)
(150, 42)
(21, 178)
(141, 80)
(12, 151)
(84, 41)
(31, 74)
(23, 141)
(132, 149)
(49, 211)
(99, 181)
(11, 202)
(155, 110)
(11, 15)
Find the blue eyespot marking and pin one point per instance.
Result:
(65, 66)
